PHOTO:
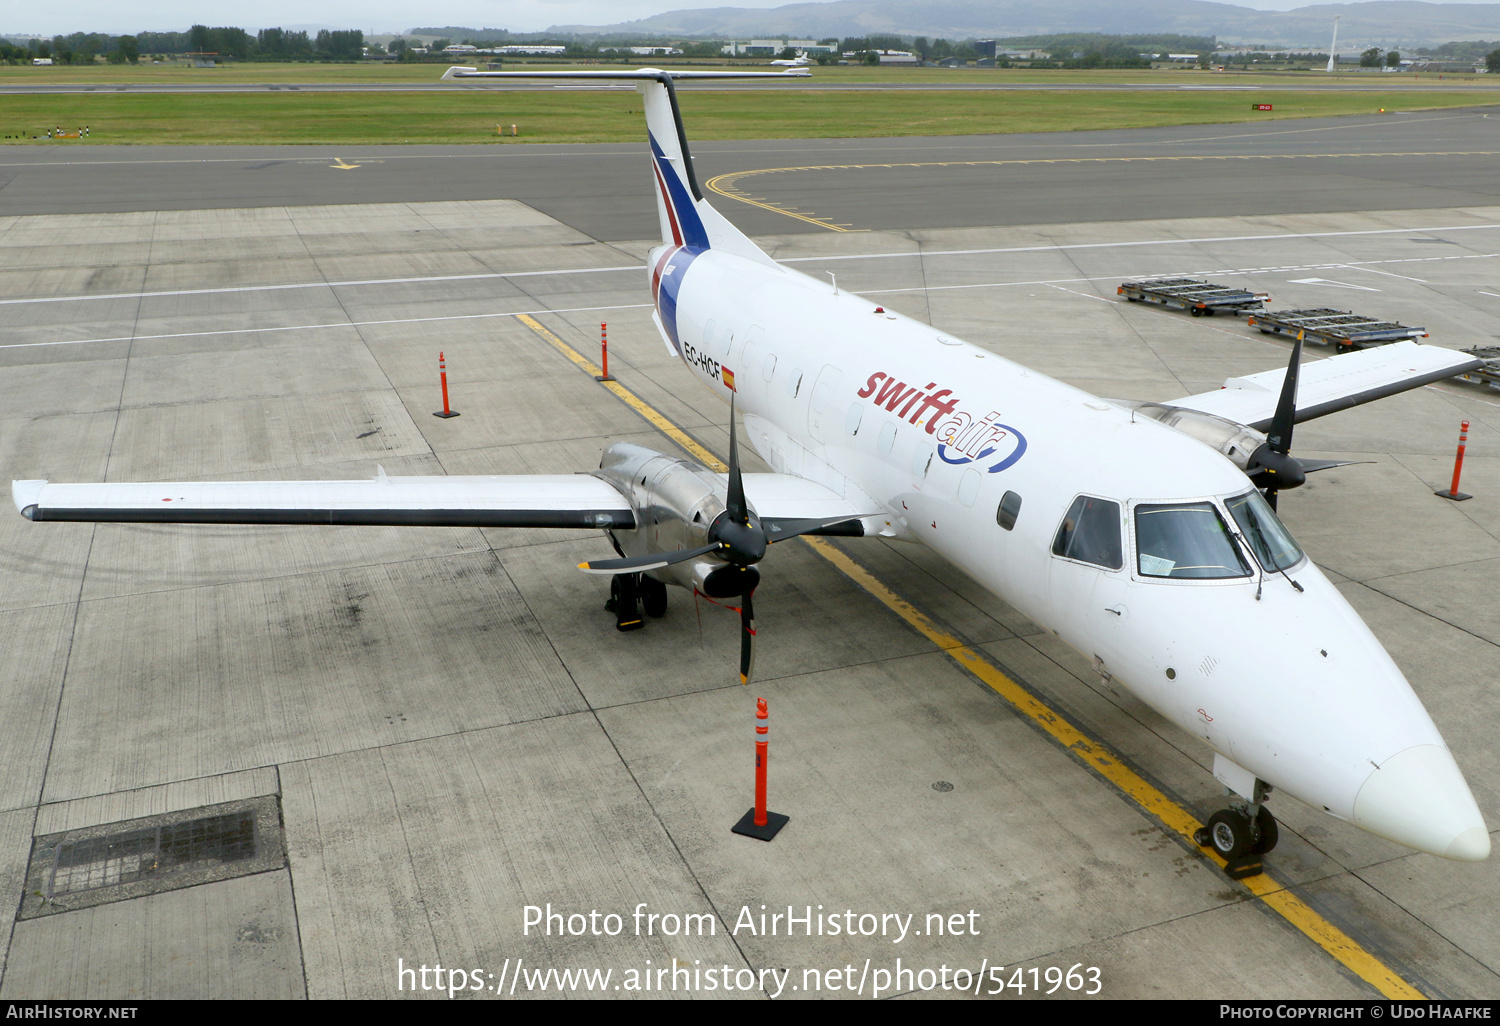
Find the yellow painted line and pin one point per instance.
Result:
(1093, 754)
(728, 184)
(341, 166)
(630, 399)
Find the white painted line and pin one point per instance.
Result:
(1141, 242)
(308, 327)
(1375, 270)
(321, 285)
(1327, 283)
(1174, 274)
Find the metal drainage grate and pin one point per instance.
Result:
(136, 855)
(118, 861)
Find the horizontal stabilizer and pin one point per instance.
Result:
(561, 500)
(1328, 386)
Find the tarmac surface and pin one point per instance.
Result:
(1422, 160)
(453, 730)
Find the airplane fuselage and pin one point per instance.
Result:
(982, 459)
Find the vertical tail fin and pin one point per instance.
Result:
(686, 217)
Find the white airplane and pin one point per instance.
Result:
(1142, 534)
(802, 60)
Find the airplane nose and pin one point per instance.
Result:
(1419, 798)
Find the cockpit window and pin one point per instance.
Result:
(1090, 533)
(1267, 535)
(1187, 540)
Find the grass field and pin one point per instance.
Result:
(547, 116)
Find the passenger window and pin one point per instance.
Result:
(708, 337)
(968, 487)
(887, 438)
(770, 367)
(794, 382)
(728, 343)
(856, 414)
(920, 462)
(1010, 505)
(1090, 533)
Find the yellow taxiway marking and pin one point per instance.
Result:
(728, 184)
(341, 166)
(630, 399)
(1093, 754)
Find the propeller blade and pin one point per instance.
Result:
(1310, 465)
(635, 564)
(1280, 435)
(735, 505)
(1270, 494)
(747, 641)
(781, 530)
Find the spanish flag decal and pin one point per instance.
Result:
(728, 377)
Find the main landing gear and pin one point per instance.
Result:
(629, 594)
(1240, 835)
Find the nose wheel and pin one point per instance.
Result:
(1240, 837)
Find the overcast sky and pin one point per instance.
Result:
(378, 16)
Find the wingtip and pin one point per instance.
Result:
(27, 496)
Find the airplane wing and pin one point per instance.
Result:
(539, 500)
(789, 504)
(1328, 386)
(561, 500)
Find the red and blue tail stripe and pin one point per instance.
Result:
(682, 211)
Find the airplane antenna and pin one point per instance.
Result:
(835, 281)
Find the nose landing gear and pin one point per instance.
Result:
(1240, 835)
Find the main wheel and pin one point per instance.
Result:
(1269, 835)
(1229, 833)
(1196, 312)
(653, 596)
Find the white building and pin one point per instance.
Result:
(772, 47)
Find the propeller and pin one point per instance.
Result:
(1272, 467)
(736, 536)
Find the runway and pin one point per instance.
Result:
(449, 729)
(1385, 162)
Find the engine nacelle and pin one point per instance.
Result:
(1234, 441)
(675, 501)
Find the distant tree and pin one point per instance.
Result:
(340, 46)
(230, 42)
(398, 46)
(1393, 59)
(871, 57)
(126, 51)
(1492, 62)
(787, 53)
(437, 45)
(198, 37)
(1371, 58)
(374, 47)
(920, 46)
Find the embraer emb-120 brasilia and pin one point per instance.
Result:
(1143, 534)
